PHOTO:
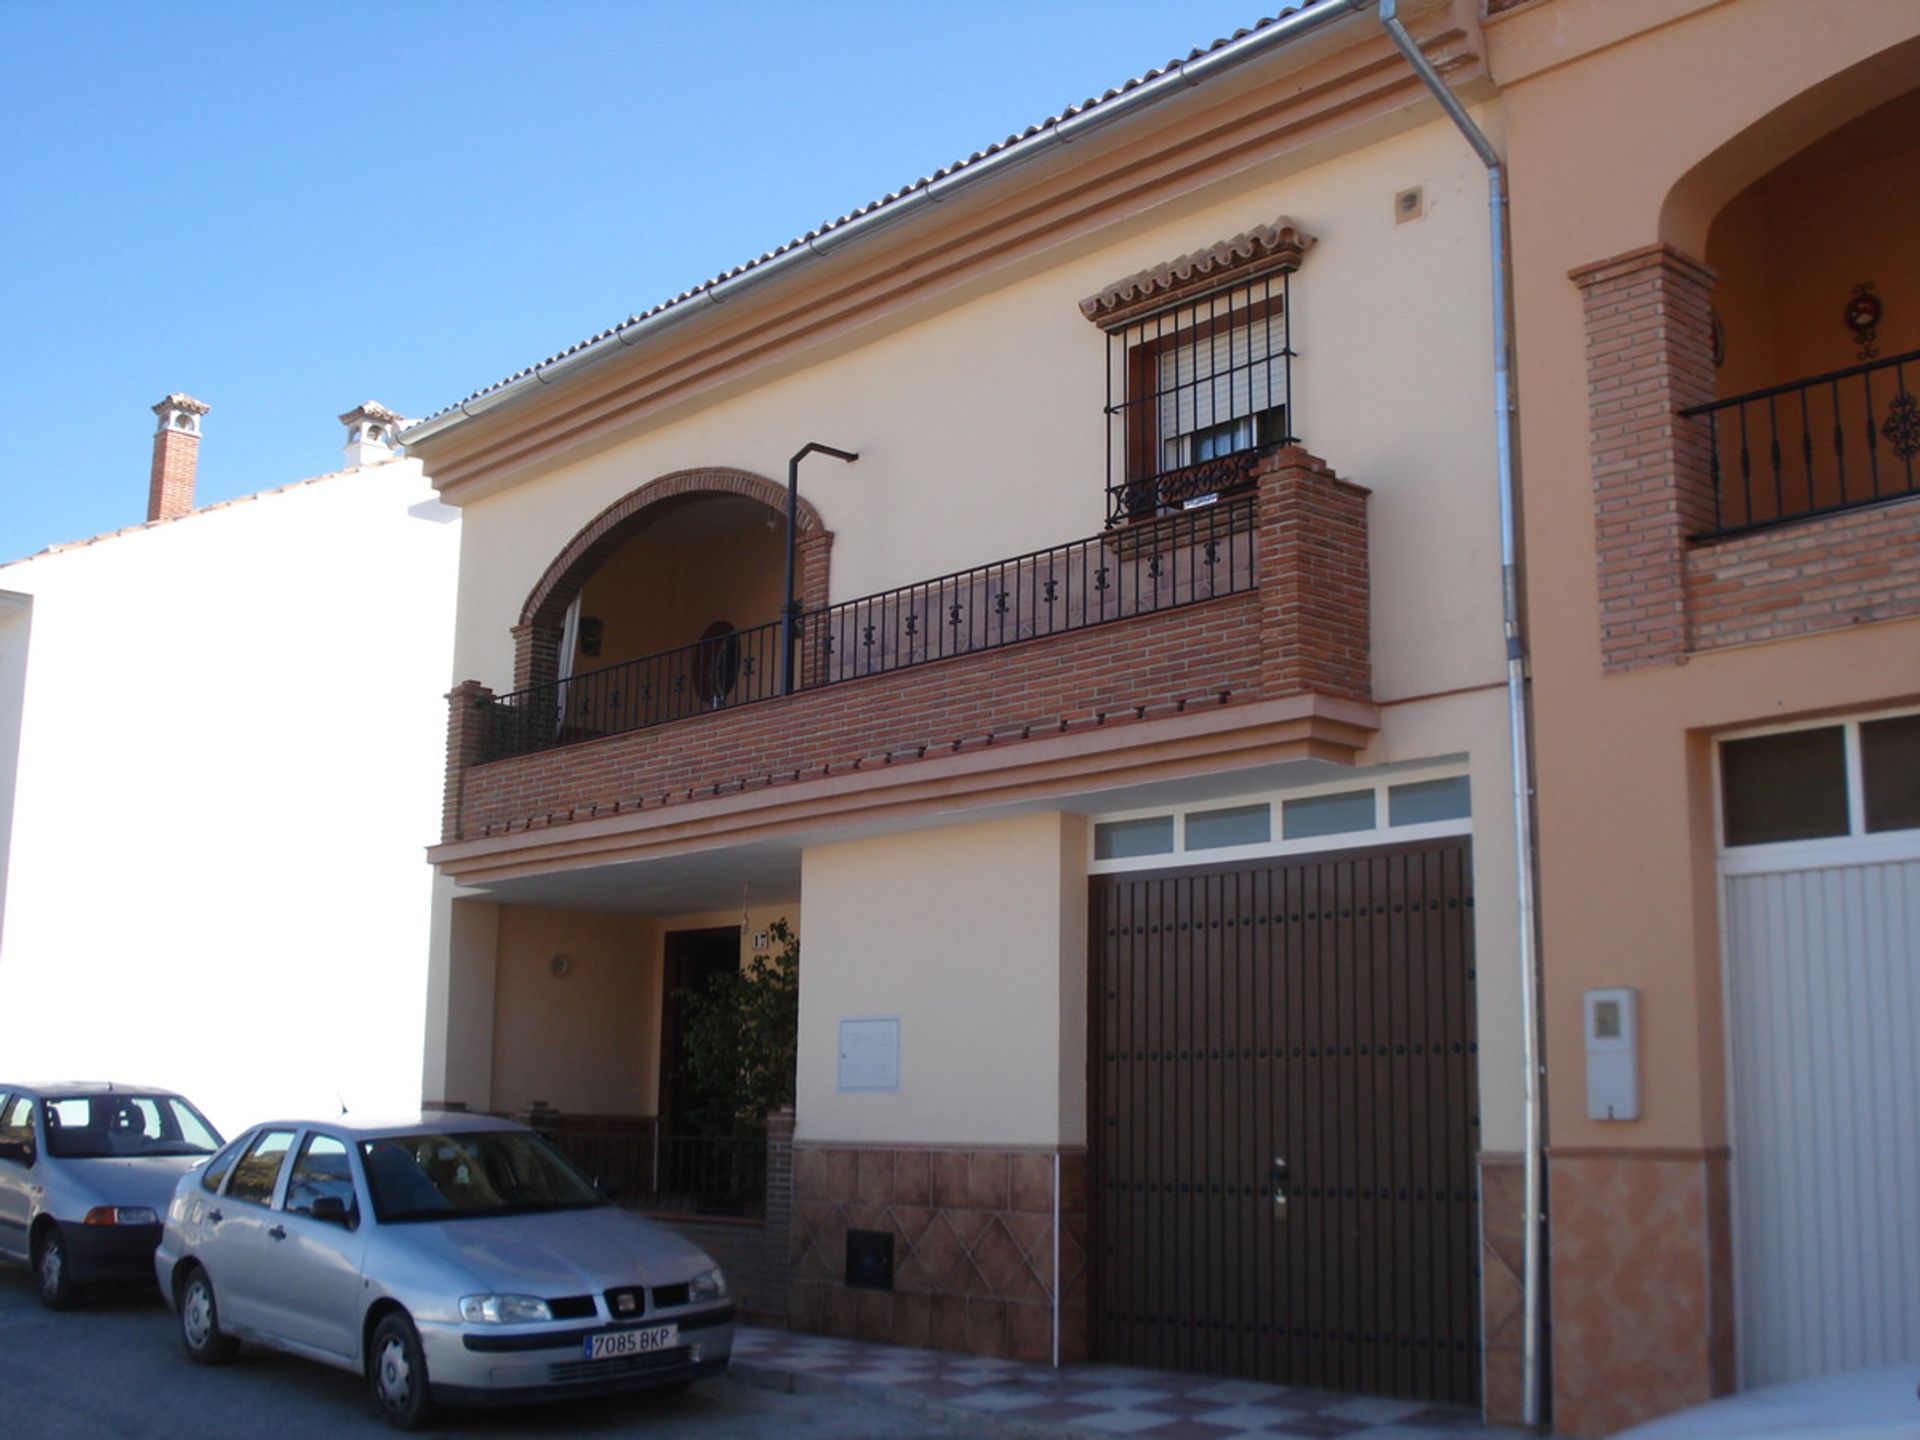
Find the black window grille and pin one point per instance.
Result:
(1196, 392)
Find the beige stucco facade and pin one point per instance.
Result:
(1713, 117)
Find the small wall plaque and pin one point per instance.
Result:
(870, 1055)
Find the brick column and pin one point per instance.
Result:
(536, 654)
(467, 720)
(1311, 562)
(1649, 355)
(778, 1233)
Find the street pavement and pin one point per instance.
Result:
(115, 1369)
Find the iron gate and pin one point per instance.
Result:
(1302, 1027)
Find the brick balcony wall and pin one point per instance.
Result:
(1829, 574)
(1304, 629)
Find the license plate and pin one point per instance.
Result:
(612, 1344)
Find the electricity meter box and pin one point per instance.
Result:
(1613, 1054)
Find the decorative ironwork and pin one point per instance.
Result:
(1750, 438)
(1903, 425)
(1176, 560)
(1196, 390)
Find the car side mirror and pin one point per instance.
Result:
(18, 1151)
(333, 1210)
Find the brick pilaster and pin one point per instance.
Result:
(1649, 355)
(1311, 559)
(467, 719)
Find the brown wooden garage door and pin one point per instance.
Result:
(1309, 1020)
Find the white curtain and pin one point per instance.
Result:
(569, 642)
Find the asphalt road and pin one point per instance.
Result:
(114, 1369)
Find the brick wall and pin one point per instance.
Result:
(1305, 629)
(176, 455)
(1826, 574)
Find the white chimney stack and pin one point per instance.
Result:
(371, 430)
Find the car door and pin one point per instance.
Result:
(235, 1246)
(309, 1289)
(16, 1175)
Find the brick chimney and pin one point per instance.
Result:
(371, 428)
(176, 453)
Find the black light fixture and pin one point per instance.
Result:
(790, 612)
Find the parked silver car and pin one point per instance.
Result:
(86, 1172)
(449, 1259)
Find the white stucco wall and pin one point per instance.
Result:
(230, 750)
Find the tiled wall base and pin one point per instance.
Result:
(1642, 1284)
(1502, 1265)
(973, 1245)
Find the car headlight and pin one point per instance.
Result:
(121, 1215)
(503, 1309)
(707, 1285)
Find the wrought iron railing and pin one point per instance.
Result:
(1141, 569)
(1176, 560)
(1811, 447)
(714, 674)
(643, 1169)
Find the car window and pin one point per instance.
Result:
(320, 1170)
(16, 1121)
(434, 1176)
(254, 1177)
(118, 1124)
(217, 1167)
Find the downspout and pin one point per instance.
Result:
(1517, 717)
(790, 610)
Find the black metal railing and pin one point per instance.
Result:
(1811, 447)
(1175, 560)
(673, 1174)
(713, 674)
(1118, 575)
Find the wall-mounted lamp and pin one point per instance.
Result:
(1863, 318)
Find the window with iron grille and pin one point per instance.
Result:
(1199, 371)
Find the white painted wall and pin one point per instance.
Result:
(231, 738)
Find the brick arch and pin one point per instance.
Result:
(536, 639)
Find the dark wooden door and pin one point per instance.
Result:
(1310, 1022)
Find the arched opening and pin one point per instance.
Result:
(1815, 349)
(666, 604)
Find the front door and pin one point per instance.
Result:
(693, 958)
(1284, 1121)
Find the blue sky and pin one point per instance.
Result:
(284, 209)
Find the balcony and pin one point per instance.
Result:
(1208, 612)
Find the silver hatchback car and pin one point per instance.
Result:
(86, 1171)
(450, 1259)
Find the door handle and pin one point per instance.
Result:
(278, 1232)
(215, 1216)
(1279, 1187)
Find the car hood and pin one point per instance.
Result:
(1879, 1404)
(147, 1180)
(557, 1252)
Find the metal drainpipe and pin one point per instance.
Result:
(790, 611)
(1517, 719)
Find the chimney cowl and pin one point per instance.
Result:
(371, 428)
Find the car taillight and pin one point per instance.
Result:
(121, 1215)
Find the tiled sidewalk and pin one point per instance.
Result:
(1008, 1397)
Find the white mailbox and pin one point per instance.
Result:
(1613, 1054)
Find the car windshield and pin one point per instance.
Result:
(124, 1124)
(431, 1176)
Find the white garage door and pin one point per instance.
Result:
(1823, 988)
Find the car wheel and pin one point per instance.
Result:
(53, 1278)
(200, 1323)
(397, 1374)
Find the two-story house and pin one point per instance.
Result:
(1124, 731)
(1716, 214)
